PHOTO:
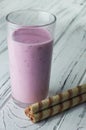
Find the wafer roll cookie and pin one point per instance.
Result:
(56, 99)
(57, 108)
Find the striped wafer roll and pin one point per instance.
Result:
(46, 103)
(57, 108)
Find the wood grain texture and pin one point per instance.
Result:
(68, 64)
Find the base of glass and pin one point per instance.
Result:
(20, 104)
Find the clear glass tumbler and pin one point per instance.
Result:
(30, 44)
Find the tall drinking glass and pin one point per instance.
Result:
(30, 44)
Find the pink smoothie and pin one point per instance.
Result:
(30, 54)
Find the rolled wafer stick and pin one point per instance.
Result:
(46, 103)
(57, 108)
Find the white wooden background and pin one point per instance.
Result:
(68, 64)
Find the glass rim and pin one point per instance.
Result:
(31, 9)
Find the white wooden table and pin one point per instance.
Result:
(68, 64)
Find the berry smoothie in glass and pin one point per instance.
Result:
(30, 46)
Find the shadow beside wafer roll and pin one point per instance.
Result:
(56, 109)
(36, 107)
